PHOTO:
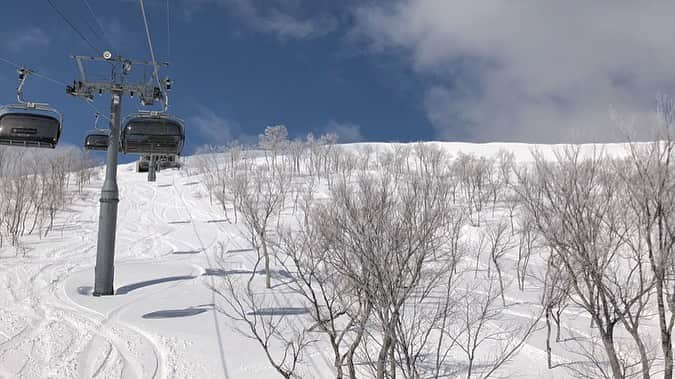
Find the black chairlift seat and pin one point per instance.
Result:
(153, 133)
(98, 140)
(30, 125)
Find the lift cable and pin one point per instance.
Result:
(93, 107)
(93, 30)
(72, 26)
(152, 52)
(168, 33)
(98, 22)
(50, 79)
(33, 72)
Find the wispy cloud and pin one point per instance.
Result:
(346, 132)
(29, 37)
(216, 129)
(530, 70)
(282, 18)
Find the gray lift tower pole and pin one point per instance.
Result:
(107, 220)
(117, 87)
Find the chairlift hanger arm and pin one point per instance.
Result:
(23, 75)
(80, 66)
(22, 103)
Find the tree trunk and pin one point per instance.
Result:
(268, 279)
(644, 359)
(392, 359)
(382, 357)
(608, 341)
(666, 345)
(548, 337)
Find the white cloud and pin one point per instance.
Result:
(346, 132)
(285, 25)
(216, 129)
(529, 70)
(29, 37)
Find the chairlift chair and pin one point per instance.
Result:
(29, 124)
(98, 138)
(153, 133)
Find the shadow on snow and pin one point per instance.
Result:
(175, 313)
(134, 286)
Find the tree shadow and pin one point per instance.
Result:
(131, 287)
(221, 272)
(275, 274)
(451, 367)
(175, 313)
(281, 274)
(187, 252)
(215, 221)
(281, 311)
(239, 250)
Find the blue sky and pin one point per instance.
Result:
(231, 78)
(373, 70)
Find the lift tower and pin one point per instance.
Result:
(118, 87)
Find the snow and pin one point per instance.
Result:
(162, 323)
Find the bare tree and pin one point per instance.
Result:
(486, 338)
(575, 205)
(499, 242)
(333, 303)
(527, 243)
(384, 234)
(274, 140)
(474, 173)
(650, 184)
(259, 194)
(264, 322)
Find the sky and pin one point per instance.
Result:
(369, 70)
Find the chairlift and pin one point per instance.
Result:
(29, 124)
(98, 138)
(153, 133)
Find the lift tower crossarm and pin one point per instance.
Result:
(117, 59)
(147, 93)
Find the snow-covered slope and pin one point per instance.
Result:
(162, 321)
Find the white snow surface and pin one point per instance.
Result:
(161, 323)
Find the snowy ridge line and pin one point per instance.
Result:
(522, 151)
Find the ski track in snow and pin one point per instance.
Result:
(50, 326)
(204, 250)
(47, 334)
